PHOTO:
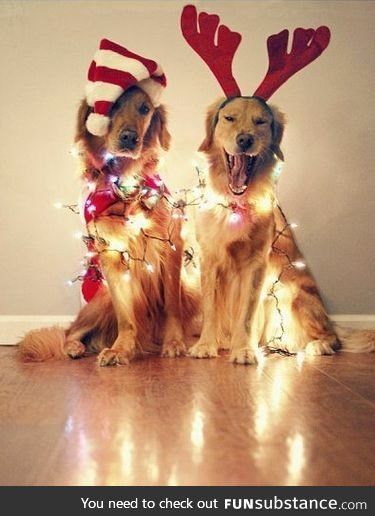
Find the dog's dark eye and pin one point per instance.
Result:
(260, 121)
(144, 109)
(229, 118)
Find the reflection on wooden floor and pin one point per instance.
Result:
(188, 422)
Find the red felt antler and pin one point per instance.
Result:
(307, 45)
(200, 34)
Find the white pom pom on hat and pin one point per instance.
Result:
(97, 124)
(114, 70)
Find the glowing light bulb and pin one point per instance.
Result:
(74, 151)
(299, 264)
(277, 170)
(69, 283)
(149, 267)
(112, 178)
(91, 209)
(139, 222)
(108, 156)
(127, 275)
(234, 217)
(264, 204)
(78, 235)
(90, 254)
(175, 215)
(293, 225)
(58, 205)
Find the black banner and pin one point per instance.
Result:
(176, 500)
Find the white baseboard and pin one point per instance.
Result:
(360, 321)
(13, 327)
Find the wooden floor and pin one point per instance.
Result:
(188, 422)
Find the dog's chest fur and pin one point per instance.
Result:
(222, 236)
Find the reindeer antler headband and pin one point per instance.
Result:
(199, 32)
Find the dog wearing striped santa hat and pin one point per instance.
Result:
(114, 70)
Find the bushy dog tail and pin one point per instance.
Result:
(355, 341)
(43, 344)
(95, 326)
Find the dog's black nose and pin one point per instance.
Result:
(244, 141)
(128, 139)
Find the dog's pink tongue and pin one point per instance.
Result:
(238, 173)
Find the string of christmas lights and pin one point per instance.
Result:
(148, 196)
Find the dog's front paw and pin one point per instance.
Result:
(243, 356)
(319, 347)
(173, 348)
(74, 348)
(203, 350)
(112, 357)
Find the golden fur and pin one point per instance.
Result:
(238, 273)
(127, 318)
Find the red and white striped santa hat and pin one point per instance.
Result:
(114, 70)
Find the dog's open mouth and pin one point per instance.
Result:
(241, 169)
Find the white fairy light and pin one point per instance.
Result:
(234, 217)
(162, 163)
(139, 222)
(108, 156)
(264, 204)
(74, 151)
(277, 170)
(78, 235)
(127, 275)
(293, 225)
(91, 209)
(299, 264)
(149, 267)
(58, 205)
(90, 254)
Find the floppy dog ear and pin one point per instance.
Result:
(211, 120)
(158, 128)
(93, 145)
(83, 112)
(278, 124)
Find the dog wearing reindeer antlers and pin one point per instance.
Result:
(256, 289)
(133, 226)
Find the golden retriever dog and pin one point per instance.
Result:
(126, 317)
(255, 288)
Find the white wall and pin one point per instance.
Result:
(328, 183)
